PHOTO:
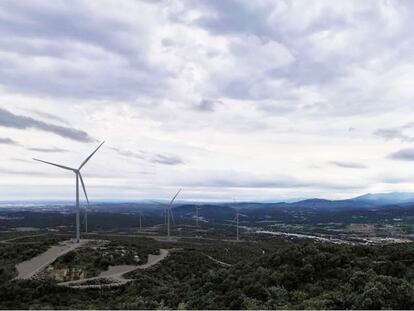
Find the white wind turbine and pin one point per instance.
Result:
(197, 208)
(168, 212)
(140, 219)
(78, 176)
(237, 222)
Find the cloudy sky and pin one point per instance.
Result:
(251, 100)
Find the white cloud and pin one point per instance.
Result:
(252, 99)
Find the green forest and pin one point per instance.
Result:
(266, 274)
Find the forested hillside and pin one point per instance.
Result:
(262, 275)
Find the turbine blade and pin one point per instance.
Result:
(169, 206)
(54, 164)
(175, 197)
(90, 156)
(84, 189)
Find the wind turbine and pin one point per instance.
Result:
(237, 223)
(197, 215)
(237, 220)
(140, 220)
(168, 211)
(164, 212)
(78, 176)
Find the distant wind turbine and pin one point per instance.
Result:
(140, 220)
(197, 208)
(78, 176)
(236, 219)
(169, 212)
(237, 223)
(165, 211)
(165, 214)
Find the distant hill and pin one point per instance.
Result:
(208, 211)
(256, 209)
(386, 198)
(328, 204)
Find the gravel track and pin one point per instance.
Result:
(115, 273)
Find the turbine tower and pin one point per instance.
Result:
(237, 220)
(78, 177)
(237, 226)
(164, 212)
(140, 220)
(170, 213)
(197, 215)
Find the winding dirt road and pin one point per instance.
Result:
(225, 264)
(12, 240)
(115, 274)
(29, 268)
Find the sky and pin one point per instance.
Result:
(229, 100)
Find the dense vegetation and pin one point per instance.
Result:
(314, 276)
(264, 274)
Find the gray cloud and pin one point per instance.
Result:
(116, 61)
(112, 65)
(273, 73)
(208, 105)
(17, 172)
(21, 160)
(267, 183)
(166, 159)
(130, 154)
(250, 183)
(233, 179)
(268, 23)
(395, 133)
(8, 141)
(348, 164)
(395, 179)
(318, 43)
(53, 150)
(8, 119)
(403, 154)
(49, 116)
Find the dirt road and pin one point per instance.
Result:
(115, 273)
(29, 268)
